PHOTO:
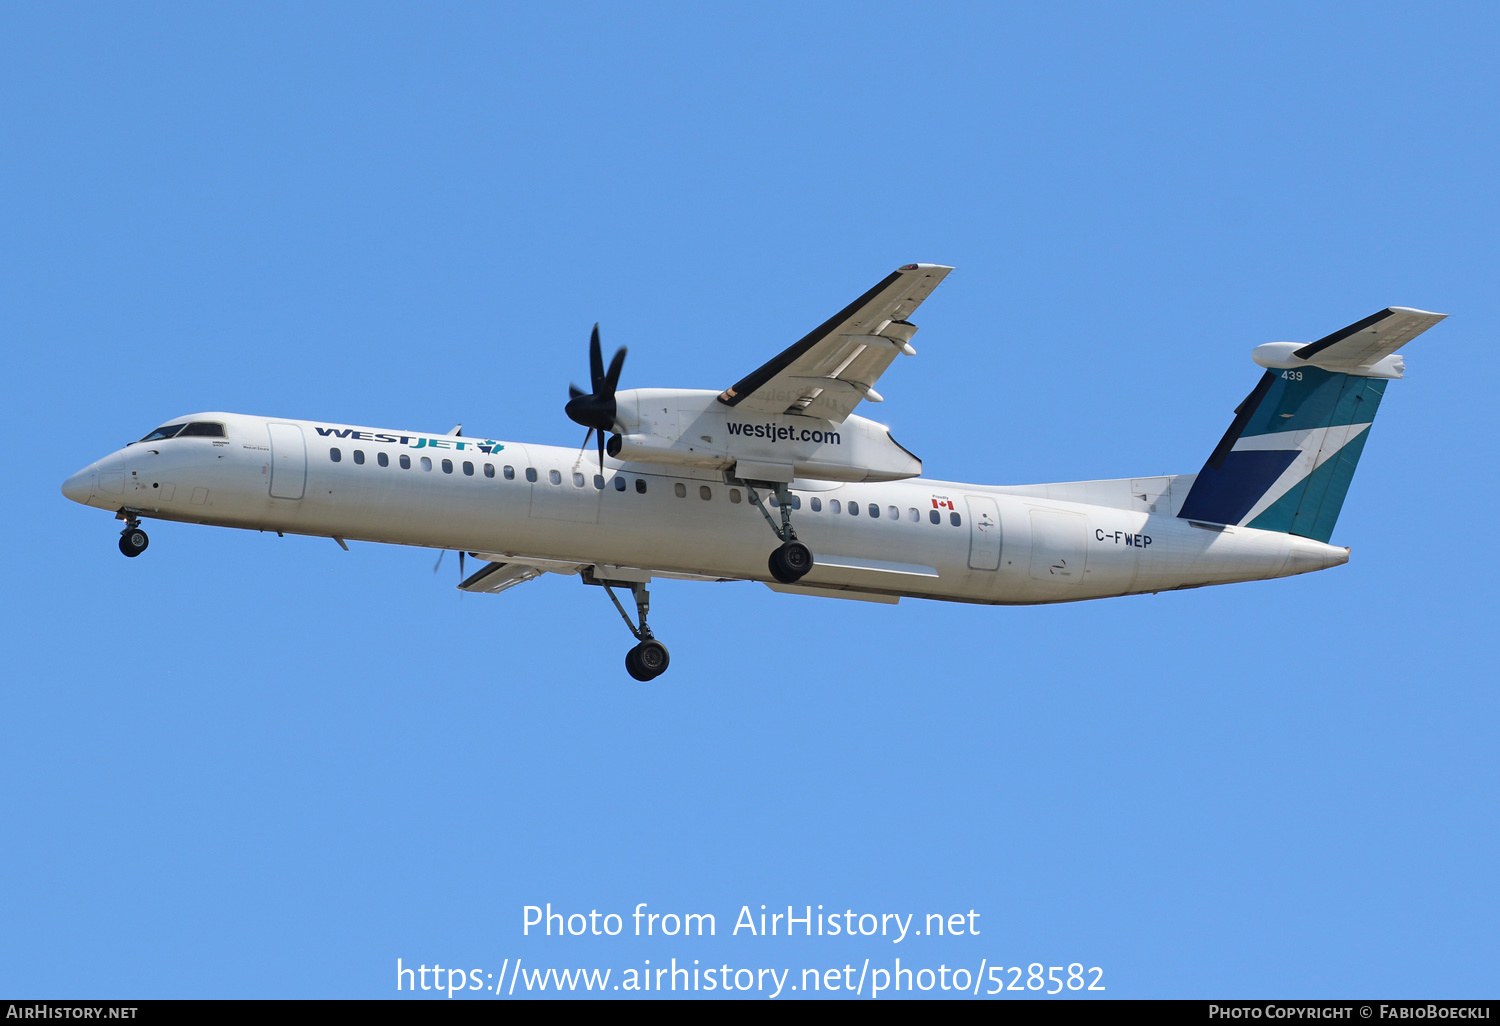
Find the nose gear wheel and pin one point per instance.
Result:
(133, 540)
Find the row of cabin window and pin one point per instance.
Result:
(680, 489)
(508, 472)
(892, 512)
(834, 506)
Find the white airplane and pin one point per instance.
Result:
(694, 484)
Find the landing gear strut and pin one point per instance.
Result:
(790, 562)
(649, 658)
(133, 540)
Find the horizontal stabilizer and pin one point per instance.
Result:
(1366, 348)
(1371, 340)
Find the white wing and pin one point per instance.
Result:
(831, 369)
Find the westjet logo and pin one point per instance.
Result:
(412, 441)
(777, 433)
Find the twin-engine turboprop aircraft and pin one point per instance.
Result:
(694, 484)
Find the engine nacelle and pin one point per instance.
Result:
(691, 428)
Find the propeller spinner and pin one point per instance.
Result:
(596, 410)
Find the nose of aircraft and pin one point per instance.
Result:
(80, 487)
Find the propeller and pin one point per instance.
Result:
(439, 563)
(596, 410)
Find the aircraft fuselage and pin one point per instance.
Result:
(915, 537)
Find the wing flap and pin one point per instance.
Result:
(494, 578)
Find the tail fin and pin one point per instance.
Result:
(1287, 459)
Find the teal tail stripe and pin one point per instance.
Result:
(1286, 462)
(1312, 506)
(1315, 399)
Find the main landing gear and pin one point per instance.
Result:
(649, 658)
(791, 561)
(133, 540)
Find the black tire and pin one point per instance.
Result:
(133, 541)
(633, 665)
(653, 657)
(647, 661)
(790, 563)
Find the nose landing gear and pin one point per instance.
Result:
(133, 540)
(649, 658)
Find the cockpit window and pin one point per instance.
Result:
(203, 429)
(167, 431)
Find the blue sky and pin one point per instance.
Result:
(244, 766)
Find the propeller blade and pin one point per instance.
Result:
(612, 378)
(601, 452)
(440, 560)
(596, 360)
(596, 410)
(460, 565)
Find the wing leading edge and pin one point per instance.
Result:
(835, 366)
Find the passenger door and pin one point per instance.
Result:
(288, 461)
(984, 532)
